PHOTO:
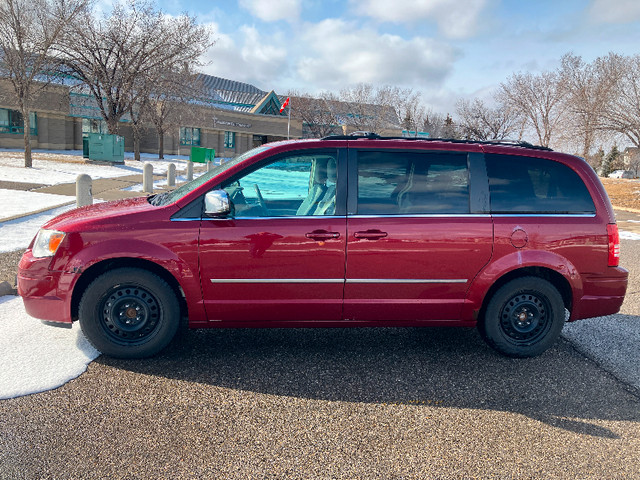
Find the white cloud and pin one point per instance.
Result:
(619, 11)
(247, 57)
(455, 18)
(338, 53)
(273, 10)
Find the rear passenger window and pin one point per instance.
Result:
(405, 183)
(534, 185)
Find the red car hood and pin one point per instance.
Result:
(106, 211)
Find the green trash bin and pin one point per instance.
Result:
(210, 155)
(198, 155)
(85, 147)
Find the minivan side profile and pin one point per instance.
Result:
(340, 232)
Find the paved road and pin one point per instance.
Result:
(614, 341)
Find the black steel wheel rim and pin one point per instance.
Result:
(525, 318)
(130, 314)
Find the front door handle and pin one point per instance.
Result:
(370, 234)
(320, 235)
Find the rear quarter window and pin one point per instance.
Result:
(535, 185)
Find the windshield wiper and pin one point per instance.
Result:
(158, 199)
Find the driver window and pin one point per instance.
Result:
(301, 185)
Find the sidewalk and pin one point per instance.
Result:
(105, 189)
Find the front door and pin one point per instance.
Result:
(413, 244)
(281, 256)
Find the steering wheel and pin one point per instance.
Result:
(261, 201)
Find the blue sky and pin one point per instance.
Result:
(445, 49)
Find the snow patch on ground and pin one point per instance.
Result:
(17, 234)
(18, 202)
(50, 172)
(35, 357)
(629, 235)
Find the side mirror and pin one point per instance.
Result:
(217, 204)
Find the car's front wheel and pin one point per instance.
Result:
(523, 318)
(129, 313)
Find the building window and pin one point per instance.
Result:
(190, 136)
(11, 121)
(229, 139)
(259, 140)
(93, 125)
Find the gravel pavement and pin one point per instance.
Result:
(614, 341)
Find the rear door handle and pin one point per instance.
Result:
(370, 234)
(322, 235)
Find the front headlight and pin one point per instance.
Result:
(47, 242)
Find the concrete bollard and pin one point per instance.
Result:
(84, 195)
(210, 166)
(171, 175)
(147, 178)
(189, 171)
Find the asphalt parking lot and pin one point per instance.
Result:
(333, 403)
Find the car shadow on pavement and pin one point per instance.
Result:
(442, 367)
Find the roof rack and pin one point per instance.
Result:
(375, 136)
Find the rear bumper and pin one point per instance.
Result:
(601, 295)
(44, 293)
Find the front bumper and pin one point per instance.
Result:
(45, 293)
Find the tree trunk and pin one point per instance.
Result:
(136, 143)
(112, 126)
(28, 161)
(160, 144)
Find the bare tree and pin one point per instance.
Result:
(479, 122)
(29, 30)
(138, 113)
(634, 161)
(168, 94)
(588, 91)
(407, 106)
(539, 99)
(318, 115)
(622, 111)
(367, 108)
(110, 56)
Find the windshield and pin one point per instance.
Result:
(170, 197)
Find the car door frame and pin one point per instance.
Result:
(272, 288)
(479, 206)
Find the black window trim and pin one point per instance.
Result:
(341, 165)
(478, 183)
(527, 213)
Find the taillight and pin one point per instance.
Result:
(614, 244)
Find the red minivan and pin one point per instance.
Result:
(340, 232)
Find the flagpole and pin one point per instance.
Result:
(289, 121)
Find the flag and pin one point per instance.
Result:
(284, 105)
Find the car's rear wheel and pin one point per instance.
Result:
(523, 318)
(129, 313)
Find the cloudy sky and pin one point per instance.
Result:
(446, 49)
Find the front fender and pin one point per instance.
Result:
(181, 263)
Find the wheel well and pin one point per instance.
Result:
(104, 266)
(556, 279)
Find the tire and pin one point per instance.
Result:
(523, 318)
(129, 313)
